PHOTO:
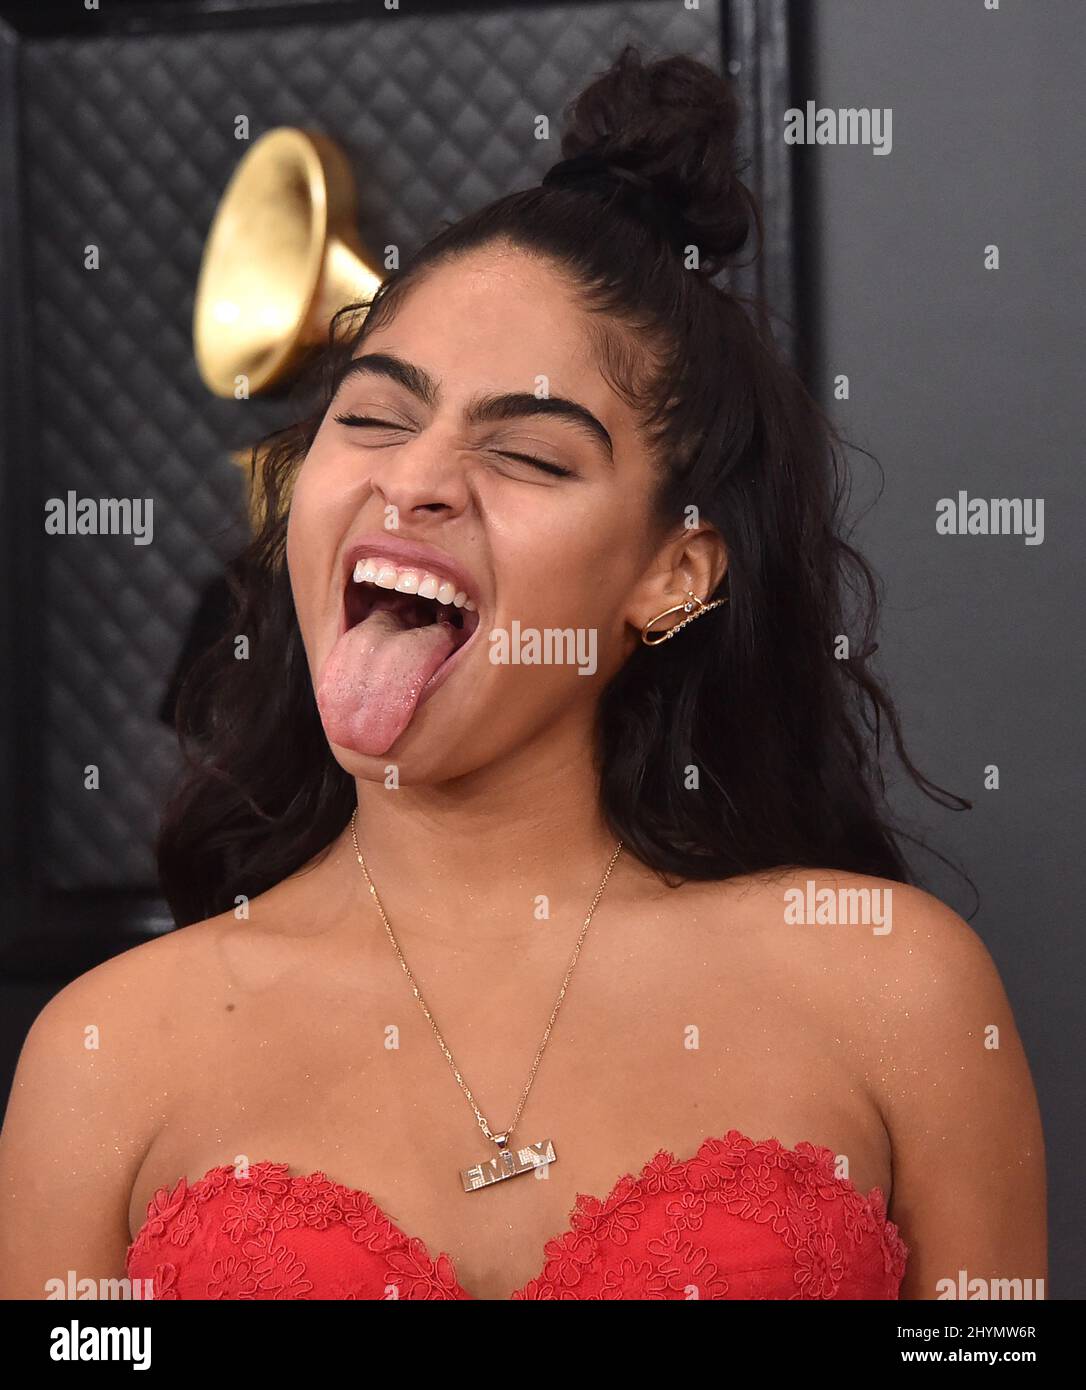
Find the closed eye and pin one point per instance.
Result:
(555, 469)
(351, 419)
(371, 422)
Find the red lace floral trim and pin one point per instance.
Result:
(617, 1247)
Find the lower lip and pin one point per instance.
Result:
(442, 673)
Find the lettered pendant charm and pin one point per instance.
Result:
(507, 1163)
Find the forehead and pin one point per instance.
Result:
(500, 319)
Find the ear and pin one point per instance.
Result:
(693, 558)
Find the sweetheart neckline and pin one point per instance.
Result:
(583, 1202)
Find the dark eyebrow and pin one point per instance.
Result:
(510, 406)
(420, 383)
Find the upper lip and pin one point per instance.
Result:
(410, 553)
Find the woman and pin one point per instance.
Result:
(659, 933)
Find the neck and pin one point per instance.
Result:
(473, 858)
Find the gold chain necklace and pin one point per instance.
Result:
(507, 1163)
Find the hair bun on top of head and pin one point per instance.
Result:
(660, 139)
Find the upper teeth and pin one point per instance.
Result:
(411, 581)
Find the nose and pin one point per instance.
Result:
(423, 477)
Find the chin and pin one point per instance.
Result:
(420, 756)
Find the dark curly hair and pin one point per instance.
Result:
(784, 727)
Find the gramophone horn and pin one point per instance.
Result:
(282, 256)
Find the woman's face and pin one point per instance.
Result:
(486, 366)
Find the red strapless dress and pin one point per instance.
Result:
(738, 1220)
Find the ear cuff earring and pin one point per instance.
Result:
(693, 607)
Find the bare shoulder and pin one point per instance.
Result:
(97, 1040)
(132, 995)
(86, 1101)
(139, 1008)
(884, 971)
(130, 1026)
(136, 1014)
(911, 967)
(865, 938)
(917, 990)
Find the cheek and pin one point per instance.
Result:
(317, 491)
(569, 560)
(319, 514)
(300, 548)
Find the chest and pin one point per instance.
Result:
(640, 1063)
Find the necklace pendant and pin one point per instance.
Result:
(508, 1163)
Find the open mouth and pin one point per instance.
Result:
(403, 630)
(407, 608)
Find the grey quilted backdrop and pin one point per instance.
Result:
(128, 143)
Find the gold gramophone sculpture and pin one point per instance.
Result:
(282, 256)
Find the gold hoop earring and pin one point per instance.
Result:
(693, 606)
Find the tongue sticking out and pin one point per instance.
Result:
(373, 677)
